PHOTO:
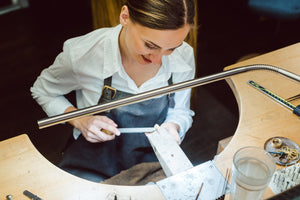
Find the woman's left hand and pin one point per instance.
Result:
(173, 129)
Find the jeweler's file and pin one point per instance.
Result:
(295, 109)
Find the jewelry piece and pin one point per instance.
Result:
(276, 142)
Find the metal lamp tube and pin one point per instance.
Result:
(43, 123)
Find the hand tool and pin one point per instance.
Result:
(295, 109)
(31, 196)
(131, 130)
(137, 130)
(183, 179)
(199, 191)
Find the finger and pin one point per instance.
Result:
(175, 136)
(110, 130)
(93, 140)
(91, 137)
(102, 136)
(108, 125)
(178, 140)
(95, 134)
(173, 132)
(107, 120)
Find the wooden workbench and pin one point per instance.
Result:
(22, 167)
(260, 117)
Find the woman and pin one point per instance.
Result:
(146, 51)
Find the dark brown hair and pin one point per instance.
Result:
(161, 14)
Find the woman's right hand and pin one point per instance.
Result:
(93, 127)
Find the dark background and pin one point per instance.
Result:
(31, 38)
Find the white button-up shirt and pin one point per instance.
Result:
(87, 60)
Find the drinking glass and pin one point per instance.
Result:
(252, 171)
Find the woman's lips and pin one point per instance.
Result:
(146, 60)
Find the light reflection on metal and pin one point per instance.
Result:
(43, 123)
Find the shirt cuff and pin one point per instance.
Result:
(182, 118)
(57, 106)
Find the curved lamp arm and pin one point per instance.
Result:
(43, 123)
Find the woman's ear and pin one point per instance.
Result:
(124, 16)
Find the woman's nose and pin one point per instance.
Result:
(156, 58)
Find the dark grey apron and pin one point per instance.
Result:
(99, 161)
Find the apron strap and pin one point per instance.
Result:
(171, 95)
(170, 81)
(109, 92)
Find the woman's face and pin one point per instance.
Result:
(147, 46)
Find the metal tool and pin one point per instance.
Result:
(293, 98)
(160, 91)
(225, 186)
(31, 196)
(137, 130)
(199, 191)
(277, 153)
(185, 185)
(295, 109)
(131, 130)
(183, 179)
(171, 157)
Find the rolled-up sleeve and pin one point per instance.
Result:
(181, 114)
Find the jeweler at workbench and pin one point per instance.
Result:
(145, 51)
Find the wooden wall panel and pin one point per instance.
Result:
(106, 12)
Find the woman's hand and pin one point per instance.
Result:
(173, 129)
(93, 128)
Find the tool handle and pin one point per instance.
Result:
(297, 110)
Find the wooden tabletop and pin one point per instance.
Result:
(260, 117)
(22, 167)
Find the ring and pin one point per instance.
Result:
(276, 143)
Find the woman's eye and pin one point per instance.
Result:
(150, 46)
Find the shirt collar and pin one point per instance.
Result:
(176, 62)
(113, 62)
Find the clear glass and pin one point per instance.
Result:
(252, 171)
